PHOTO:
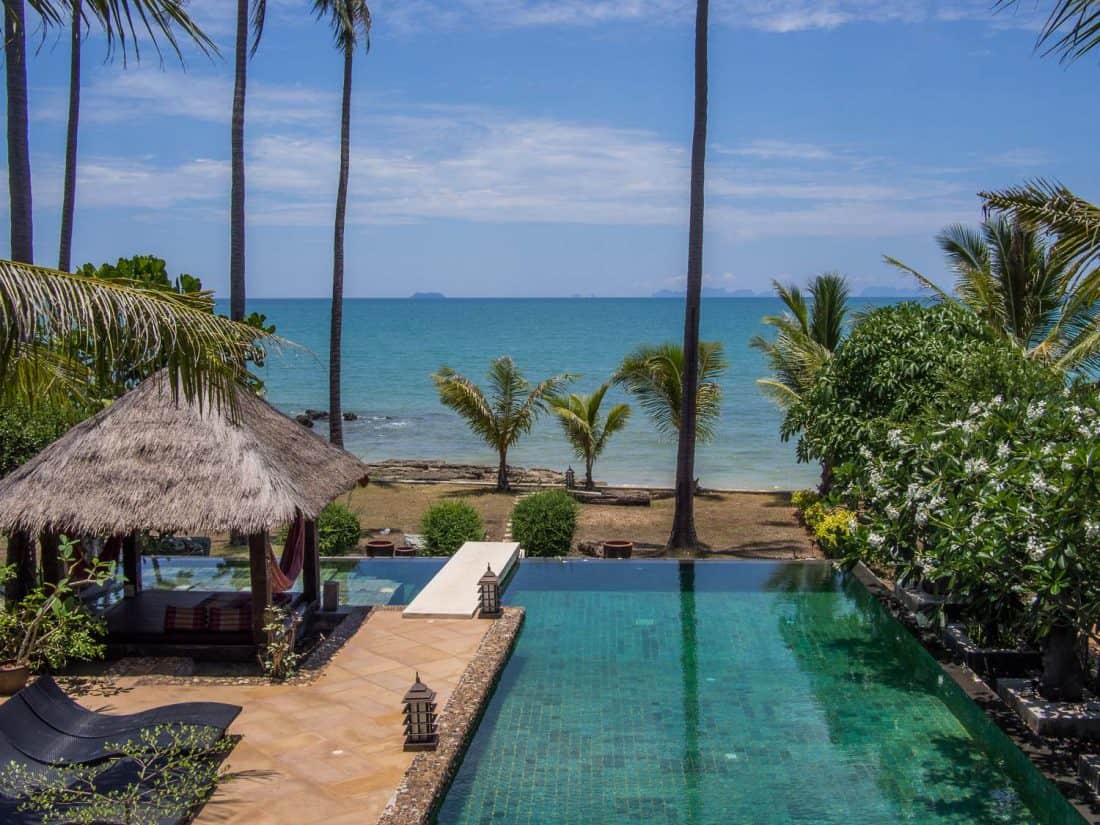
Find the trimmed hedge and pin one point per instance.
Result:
(447, 525)
(338, 530)
(544, 523)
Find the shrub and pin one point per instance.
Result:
(835, 530)
(544, 523)
(24, 432)
(338, 530)
(447, 525)
(813, 514)
(802, 500)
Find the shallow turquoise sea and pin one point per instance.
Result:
(391, 348)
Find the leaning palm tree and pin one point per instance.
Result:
(250, 20)
(116, 17)
(586, 430)
(683, 536)
(350, 22)
(655, 376)
(1020, 285)
(806, 336)
(1071, 30)
(510, 412)
(60, 332)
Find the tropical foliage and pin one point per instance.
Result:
(506, 414)
(587, 431)
(654, 375)
(63, 337)
(172, 769)
(544, 523)
(50, 626)
(26, 431)
(447, 525)
(1021, 286)
(805, 335)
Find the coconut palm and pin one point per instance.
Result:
(683, 534)
(806, 335)
(58, 332)
(654, 375)
(1021, 285)
(250, 20)
(117, 20)
(585, 429)
(510, 412)
(1072, 28)
(350, 23)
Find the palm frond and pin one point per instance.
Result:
(350, 20)
(653, 374)
(925, 282)
(97, 320)
(121, 21)
(467, 399)
(1071, 30)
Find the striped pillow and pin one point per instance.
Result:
(229, 619)
(184, 618)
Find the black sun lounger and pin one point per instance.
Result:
(52, 706)
(31, 735)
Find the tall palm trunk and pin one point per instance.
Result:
(236, 205)
(502, 472)
(589, 482)
(19, 155)
(68, 197)
(683, 536)
(335, 415)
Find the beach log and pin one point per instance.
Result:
(261, 584)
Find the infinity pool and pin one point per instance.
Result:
(718, 693)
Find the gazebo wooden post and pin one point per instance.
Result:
(21, 554)
(49, 545)
(131, 564)
(311, 566)
(261, 584)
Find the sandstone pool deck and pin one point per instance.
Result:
(332, 749)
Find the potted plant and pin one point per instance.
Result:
(50, 625)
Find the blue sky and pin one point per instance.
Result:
(530, 148)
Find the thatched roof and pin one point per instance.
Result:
(150, 462)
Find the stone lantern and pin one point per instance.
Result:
(488, 587)
(421, 730)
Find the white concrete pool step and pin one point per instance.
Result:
(452, 592)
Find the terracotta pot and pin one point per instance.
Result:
(379, 547)
(617, 549)
(13, 678)
(405, 550)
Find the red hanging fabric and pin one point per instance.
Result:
(286, 571)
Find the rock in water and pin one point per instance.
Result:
(350, 417)
(317, 415)
(304, 420)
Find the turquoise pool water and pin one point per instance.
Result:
(369, 582)
(718, 693)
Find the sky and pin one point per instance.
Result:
(541, 147)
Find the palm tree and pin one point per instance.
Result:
(60, 331)
(579, 416)
(655, 376)
(1020, 285)
(511, 411)
(683, 534)
(19, 155)
(116, 18)
(350, 21)
(1071, 30)
(806, 335)
(248, 13)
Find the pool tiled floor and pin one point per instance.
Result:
(331, 750)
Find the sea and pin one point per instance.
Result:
(391, 348)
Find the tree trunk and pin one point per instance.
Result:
(236, 198)
(68, 197)
(589, 482)
(502, 472)
(683, 536)
(335, 414)
(19, 155)
(826, 478)
(1063, 678)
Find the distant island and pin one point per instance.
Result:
(880, 291)
(710, 292)
(428, 296)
